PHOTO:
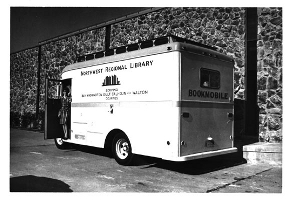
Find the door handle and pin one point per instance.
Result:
(111, 109)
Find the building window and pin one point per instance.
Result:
(209, 78)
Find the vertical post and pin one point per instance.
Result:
(107, 37)
(251, 107)
(38, 82)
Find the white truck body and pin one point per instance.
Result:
(155, 97)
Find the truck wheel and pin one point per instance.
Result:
(60, 144)
(121, 149)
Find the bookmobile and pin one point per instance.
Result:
(168, 98)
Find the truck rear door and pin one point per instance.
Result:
(206, 104)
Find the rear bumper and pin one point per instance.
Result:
(203, 154)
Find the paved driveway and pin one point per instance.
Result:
(37, 165)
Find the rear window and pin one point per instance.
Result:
(209, 78)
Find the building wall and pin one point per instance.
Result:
(23, 86)
(269, 58)
(220, 27)
(58, 54)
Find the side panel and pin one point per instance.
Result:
(205, 125)
(137, 96)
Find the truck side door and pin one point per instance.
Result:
(53, 128)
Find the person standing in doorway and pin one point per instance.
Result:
(64, 112)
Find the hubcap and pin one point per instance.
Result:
(59, 141)
(122, 148)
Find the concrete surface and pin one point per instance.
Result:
(262, 152)
(36, 165)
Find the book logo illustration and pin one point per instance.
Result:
(111, 80)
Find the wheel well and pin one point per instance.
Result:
(109, 138)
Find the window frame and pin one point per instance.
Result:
(209, 70)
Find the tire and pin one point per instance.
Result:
(121, 149)
(60, 144)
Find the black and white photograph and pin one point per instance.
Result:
(149, 99)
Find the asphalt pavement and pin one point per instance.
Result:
(36, 165)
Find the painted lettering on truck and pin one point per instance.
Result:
(208, 94)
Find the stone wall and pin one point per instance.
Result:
(270, 73)
(220, 27)
(58, 54)
(23, 86)
(54, 57)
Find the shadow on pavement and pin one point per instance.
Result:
(32, 183)
(201, 166)
(193, 167)
(89, 149)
